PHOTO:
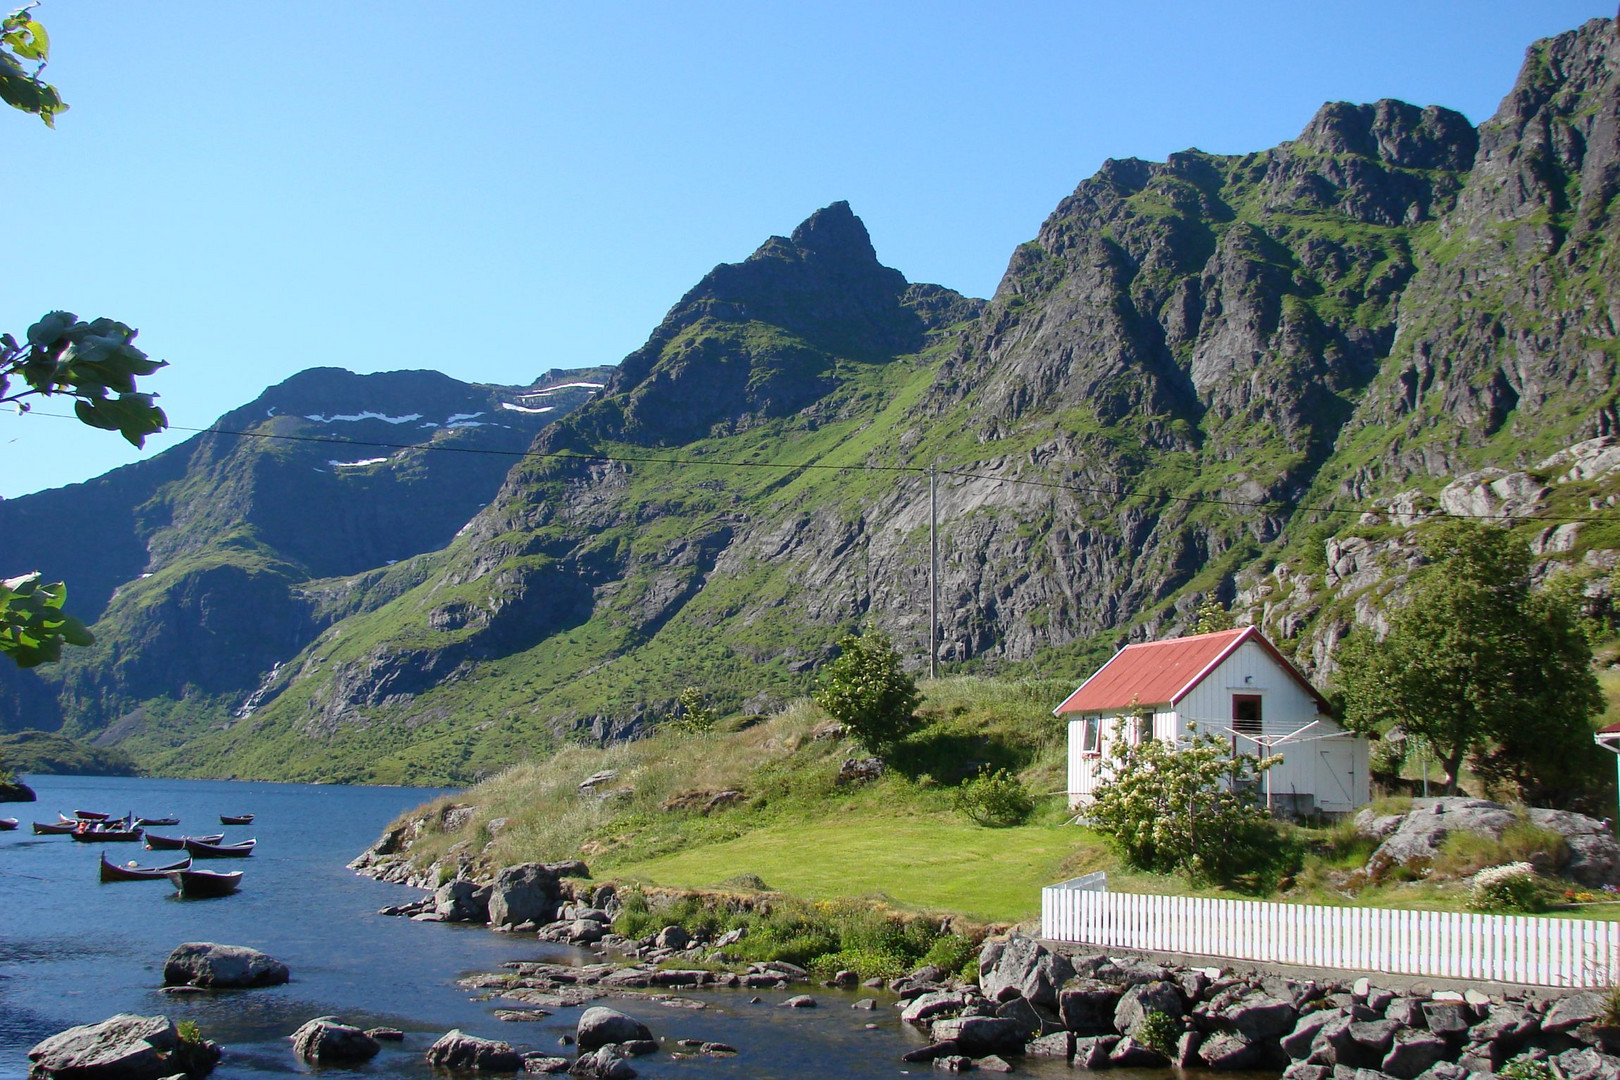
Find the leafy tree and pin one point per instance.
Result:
(1212, 617)
(694, 714)
(1476, 664)
(1190, 808)
(23, 41)
(94, 363)
(869, 692)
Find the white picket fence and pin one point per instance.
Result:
(1580, 953)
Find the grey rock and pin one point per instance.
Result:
(979, 1035)
(953, 1063)
(1512, 1024)
(1572, 1011)
(930, 1052)
(1021, 966)
(206, 964)
(326, 1040)
(1413, 1052)
(1297, 1044)
(1034, 1022)
(458, 1050)
(122, 1047)
(1057, 1045)
(603, 1063)
(1449, 1018)
(1092, 1052)
(638, 1047)
(1130, 1054)
(543, 1064)
(1407, 1012)
(1186, 1055)
(1586, 1064)
(1260, 1017)
(599, 1026)
(1299, 1070)
(1444, 1070)
(931, 1005)
(461, 901)
(1087, 1007)
(1374, 1036)
(672, 937)
(799, 1001)
(1138, 1001)
(1230, 1050)
(992, 1063)
(527, 892)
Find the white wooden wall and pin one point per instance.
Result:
(1579, 953)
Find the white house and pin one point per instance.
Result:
(1233, 684)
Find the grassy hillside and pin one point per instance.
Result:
(755, 805)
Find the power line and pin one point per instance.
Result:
(1120, 494)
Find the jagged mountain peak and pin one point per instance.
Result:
(1395, 133)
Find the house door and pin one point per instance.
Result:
(1246, 719)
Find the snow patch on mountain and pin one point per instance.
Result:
(407, 418)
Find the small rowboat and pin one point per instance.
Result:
(7, 824)
(199, 884)
(148, 821)
(154, 842)
(114, 872)
(200, 850)
(54, 828)
(236, 819)
(90, 815)
(106, 836)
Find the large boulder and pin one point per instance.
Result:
(1260, 1016)
(122, 1047)
(603, 1063)
(1594, 856)
(458, 1050)
(599, 1026)
(1020, 966)
(326, 1040)
(1413, 1053)
(527, 892)
(1423, 831)
(977, 1036)
(461, 901)
(222, 967)
(1135, 1004)
(1087, 1007)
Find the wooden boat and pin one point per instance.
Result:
(199, 884)
(114, 872)
(176, 843)
(54, 828)
(146, 822)
(236, 819)
(7, 824)
(107, 836)
(90, 815)
(200, 850)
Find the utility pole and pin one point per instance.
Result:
(933, 575)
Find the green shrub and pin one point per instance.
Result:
(996, 799)
(1507, 890)
(1522, 1068)
(953, 953)
(693, 714)
(1159, 1031)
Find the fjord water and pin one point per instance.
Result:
(75, 951)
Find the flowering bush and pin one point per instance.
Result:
(1191, 808)
(1510, 889)
(868, 691)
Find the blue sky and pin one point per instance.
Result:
(494, 189)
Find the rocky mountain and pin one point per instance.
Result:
(204, 566)
(1253, 377)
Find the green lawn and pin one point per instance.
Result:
(926, 863)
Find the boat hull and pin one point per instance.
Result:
(204, 884)
(113, 872)
(178, 843)
(145, 822)
(200, 850)
(236, 819)
(106, 836)
(7, 824)
(54, 828)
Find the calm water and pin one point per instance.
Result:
(75, 951)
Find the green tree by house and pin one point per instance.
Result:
(1479, 666)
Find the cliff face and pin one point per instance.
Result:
(1249, 377)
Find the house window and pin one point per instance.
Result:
(1246, 714)
(1088, 735)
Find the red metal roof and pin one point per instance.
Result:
(1164, 672)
